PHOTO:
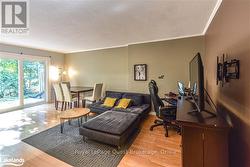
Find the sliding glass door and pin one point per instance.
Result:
(23, 81)
(34, 81)
(9, 83)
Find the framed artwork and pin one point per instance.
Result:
(140, 72)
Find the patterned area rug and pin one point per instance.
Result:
(70, 147)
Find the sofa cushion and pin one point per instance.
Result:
(123, 103)
(137, 99)
(109, 102)
(116, 95)
(134, 109)
(111, 122)
(98, 107)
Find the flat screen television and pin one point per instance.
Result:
(196, 76)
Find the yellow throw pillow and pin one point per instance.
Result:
(109, 102)
(124, 103)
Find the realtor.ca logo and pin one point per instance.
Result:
(10, 161)
(14, 17)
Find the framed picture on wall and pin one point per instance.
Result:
(140, 72)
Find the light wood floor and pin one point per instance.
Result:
(149, 149)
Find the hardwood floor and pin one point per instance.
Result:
(17, 125)
(153, 149)
(149, 149)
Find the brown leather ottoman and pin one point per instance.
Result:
(111, 127)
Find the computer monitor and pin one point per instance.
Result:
(181, 88)
(197, 81)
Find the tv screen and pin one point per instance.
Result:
(197, 81)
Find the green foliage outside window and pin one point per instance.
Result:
(33, 77)
(8, 78)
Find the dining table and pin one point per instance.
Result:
(78, 90)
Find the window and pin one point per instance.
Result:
(34, 81)
(23, 80)
(9, 89)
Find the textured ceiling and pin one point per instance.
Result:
(77, 25)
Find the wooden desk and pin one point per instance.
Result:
(78, 90)
(204, 136)
(186, 117)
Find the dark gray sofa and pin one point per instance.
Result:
(141, 103)
(115, 126)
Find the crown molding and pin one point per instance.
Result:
(217, 6)
(136, 43)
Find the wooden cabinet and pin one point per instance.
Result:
(192, 147)
(204, 137)
(204, 147)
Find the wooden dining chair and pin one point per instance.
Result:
(96, 96)
(68, 99)
(58, 95)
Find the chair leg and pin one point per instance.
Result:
(71, 105)
(158, 121)
(65, 106)
(165, 124)
(176, 127)
(83, 103)
(56, 105)
(62, 106)
(155, 125)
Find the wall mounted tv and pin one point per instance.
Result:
(196, 76)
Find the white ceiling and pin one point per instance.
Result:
(77, 25)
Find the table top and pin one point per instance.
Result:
(81, 89)
(185, 116)
(74, 113)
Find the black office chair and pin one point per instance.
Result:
(165, 114)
